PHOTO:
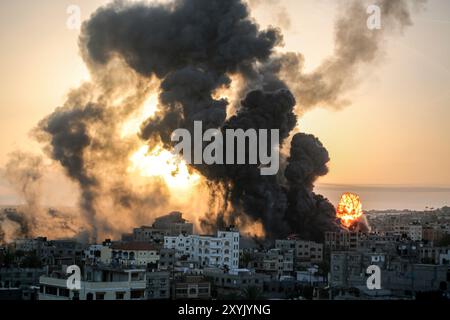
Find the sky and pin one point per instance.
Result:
(394, 133)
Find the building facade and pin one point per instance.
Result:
(219, 251)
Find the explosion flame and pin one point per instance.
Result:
(349, 209)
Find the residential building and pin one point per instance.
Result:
(415, 232)
(172, 224)
(235, 281)
(343, 240)
(274, 262)
(399, 277)
(158, 285)
(167, 259)
(308, 251)
(191, 287)
(139, 254)
(97, 284)
(19, 277)
(219, 251)
(98, 253)
(432, 255)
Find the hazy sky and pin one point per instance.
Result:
(395, 132)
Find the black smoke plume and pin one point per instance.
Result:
(194, 49)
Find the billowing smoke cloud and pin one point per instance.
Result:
(356, 47)
(194, 48)
(190, 52)
(25, 173)
(84, 137)
(67, 127)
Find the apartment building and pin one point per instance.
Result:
(274, 262)
(305, 252)
(158, 285)
(98, 284)
(433, 255)
(308, 251)
(235, 280)
(98, 253)
(191, 287)
(172, 224)
(343, 240)
(136, 254)
(218, 251)
(414, 232)
(399, 277)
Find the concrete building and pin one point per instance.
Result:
(444, 258)
(172, 224)
(97, 284)
(432, 233)
(305, 252)
(415, 232)
(29, 245)
(135, 254)
(235, 281)
(432, 255)
(167, 259)
(399, 277)
(308, 251)
(274, 262)
(148, 234)
(311, 277)
(343, 240)
(191, 287)
(98, 253)
(209, 251)
(18, 277)
(158, 285)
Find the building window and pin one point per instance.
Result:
(120, 295)
(100, 296)
(51, 290)
(64, 292)
(137, 294)
(193, 291)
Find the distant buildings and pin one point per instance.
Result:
(399, 278)
(167, 261)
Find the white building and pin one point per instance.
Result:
(120, 285)
(415, 232)
(444, 258)
(209, 251)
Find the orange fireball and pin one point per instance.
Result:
(349, 209)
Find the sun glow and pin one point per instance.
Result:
(160, 163)
(148, 110)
